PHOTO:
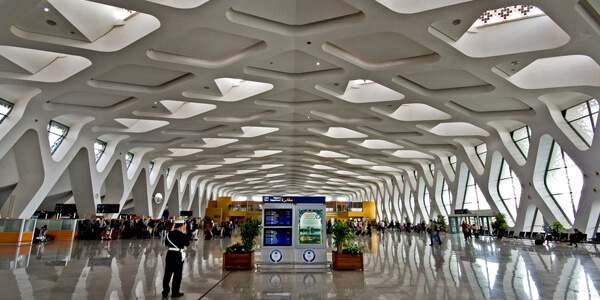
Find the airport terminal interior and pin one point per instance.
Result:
(395, 113)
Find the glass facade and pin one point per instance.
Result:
(564, 181)
(582, 118)
(522, 138)
(509, 189)
(474, 198)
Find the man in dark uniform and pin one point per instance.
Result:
(175, 240)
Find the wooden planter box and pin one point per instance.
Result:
(347, 261)
(238, 261)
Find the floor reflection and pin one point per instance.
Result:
(395, 264)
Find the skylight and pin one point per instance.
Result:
(508, 14)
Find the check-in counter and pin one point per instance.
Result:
(64, 229)
(16, 231)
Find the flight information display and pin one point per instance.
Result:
(278, 217)
(278, 237)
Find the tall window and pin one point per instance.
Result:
(474, 198)
(411, 203)
(447, 197)
(150, 166)
(432, 169)
(167, 173)
(426, 202)
(99, 147)
(5, 109)
(56, 134)
(582, 118)
(481, 151)
(128, 159)
(522, 138)
(509, 189)
(564, 181)
(452, 160)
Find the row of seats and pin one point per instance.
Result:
(564, 237)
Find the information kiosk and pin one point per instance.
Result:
(294, 232)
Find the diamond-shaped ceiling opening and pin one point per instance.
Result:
(445, 79)
(488, 104)
(560, 71)
(182, 4)
(415, 6)
(205, 47)
(364, 91)
(139, 75)
(506, 30)
(84, 24)
(304, 11)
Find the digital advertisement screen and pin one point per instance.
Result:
(278, 217)
(278, 237)
(310, 226)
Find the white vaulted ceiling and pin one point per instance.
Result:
(322, 92)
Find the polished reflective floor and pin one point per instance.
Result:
(397, 266)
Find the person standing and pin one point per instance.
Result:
(176, 241)
(465, 230)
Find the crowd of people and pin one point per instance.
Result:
(127, 228)
(361, 226)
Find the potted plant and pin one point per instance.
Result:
(559, 228)
(500, 226)
(349, 255)
(441, 220)
(241, 256)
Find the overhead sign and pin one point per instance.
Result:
(293, 199)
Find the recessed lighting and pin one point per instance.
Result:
(155, 102)
(318, 63)
(514, 63)
(46, 9)
(456, 22)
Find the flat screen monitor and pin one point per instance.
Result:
(186, 213)
(278, 237)
(65, 208)
(108, 208)
(278, 217)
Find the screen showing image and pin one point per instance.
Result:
(278, 237)
(278, 217)
(310, 226)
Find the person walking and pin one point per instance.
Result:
(176, 241)
(435, 233)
